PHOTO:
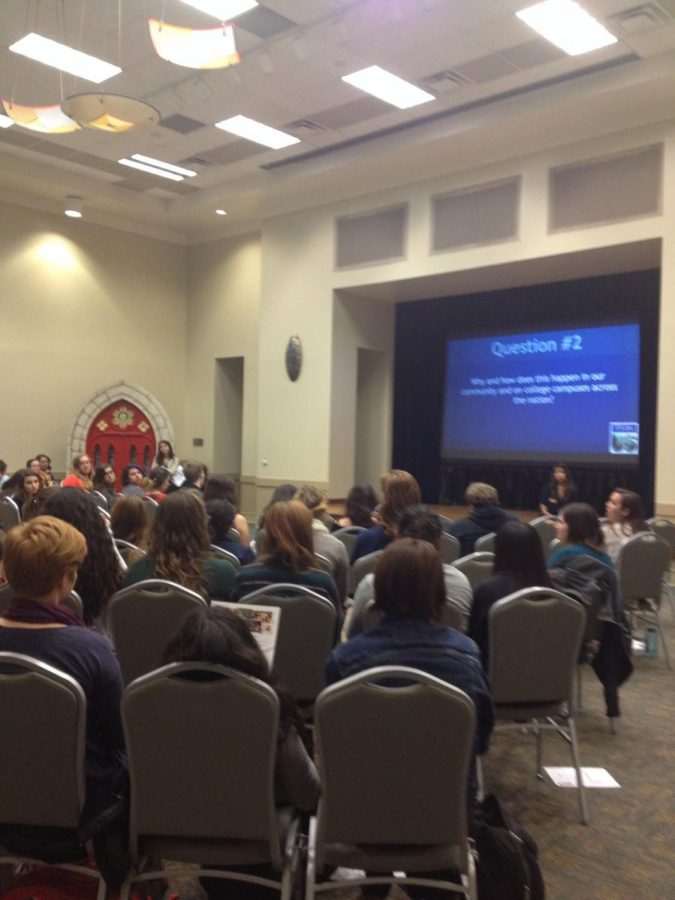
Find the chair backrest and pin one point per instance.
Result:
(476, 566)
(7, 594)
(99, 499)
(201, 743)
(221, 553)
(324, 563)
(363, 566)
(545, 528)
(641, 565)
(348, 536)
(535, 635)
(143, 618)
(445, 521)
(449, 548)
(9, 514)
(126, 549)
(42, 741)
(150, 506)
(233, 535)
(486, 543)
(450, 615)
(305, 638)
(664, 528)
(378, 789)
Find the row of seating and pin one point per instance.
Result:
(203, 792)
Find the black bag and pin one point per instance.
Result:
(507, 867)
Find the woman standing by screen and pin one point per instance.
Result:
(560, 490)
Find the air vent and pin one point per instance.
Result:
(445, 81)
(195, 161)
(181, 124)
(646, 17)
(303, 125)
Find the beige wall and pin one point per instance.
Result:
(82, 307)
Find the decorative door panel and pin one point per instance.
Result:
(119, 435)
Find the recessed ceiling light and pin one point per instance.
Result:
(73, 207)
(221, 212)
(390, 88)
(6, 122)
(247, 128)
(568, 26)
(134, 164)
(179, 170)
(65, 58)
(225, 10)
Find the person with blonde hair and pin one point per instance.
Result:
(485, 516)
(399, 490)
(324, 543)
(41, 560)
(289, 557)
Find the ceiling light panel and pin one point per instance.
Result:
(169, 167)
(151, 170)
(224, 10)
(388, 87)
(568, 26)
(66, 59)
(251, 130)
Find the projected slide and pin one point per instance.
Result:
(571, 395)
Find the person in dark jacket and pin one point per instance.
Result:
(485, 515)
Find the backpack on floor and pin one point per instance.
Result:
(507, 867)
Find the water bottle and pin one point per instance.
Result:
(651, 642)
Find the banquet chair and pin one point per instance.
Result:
(545, 528)
(203, 792)
(476, 566)
(389, 805)
(535, 637)
(665, 529)
(42, 793)
(307, 634)
(221, 553)
(641, 565)
(347, 536)
(143, 618)
(363, 566)
(449, 548)
(9, 514)
(486, 543)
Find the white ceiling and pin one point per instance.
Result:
(500, 91)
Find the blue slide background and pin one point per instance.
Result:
(573, 427)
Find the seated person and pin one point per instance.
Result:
(625, 517)
(222, 487)
(104, 484)
(81, 476)
(221, 515)
(359, 506)
(324, 542)
(519, 563)
(289, 557)
(559, 491)
(410, 591)
(41, 559)
(485, 516)
(156, 485)
(578, 529)
(28, 487)
(399, 491)
(178, 549)
(421, 523)
(133, 477)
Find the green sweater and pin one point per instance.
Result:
(217, 574)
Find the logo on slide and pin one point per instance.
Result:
(624, 438)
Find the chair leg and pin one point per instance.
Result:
(583, 808)
(480, 788)
(310, 877)
(668, 591)
(579, 685)
(471, 876)
(663, 641)
(538, 735)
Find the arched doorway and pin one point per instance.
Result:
(121, 435)
(120, 424)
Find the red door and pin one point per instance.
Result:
(121, 434)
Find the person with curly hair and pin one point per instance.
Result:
(100, 575)
(178, 550)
